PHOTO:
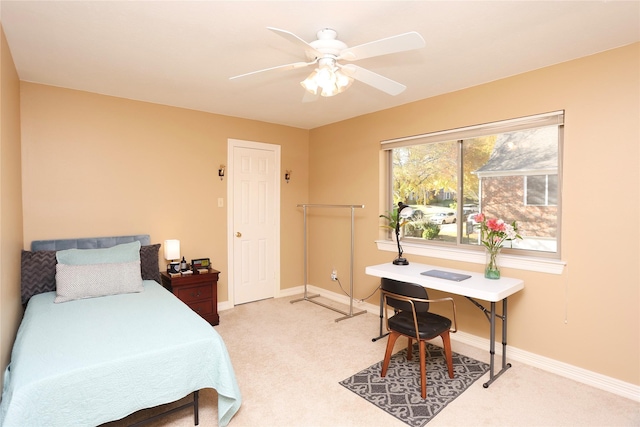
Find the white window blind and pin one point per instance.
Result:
(555, 118)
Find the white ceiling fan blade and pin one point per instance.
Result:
(279, 67)
(399, 43)
(374, 80)
(309, 50)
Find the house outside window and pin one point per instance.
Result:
(509, 170)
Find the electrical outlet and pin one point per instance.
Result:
(334, 274)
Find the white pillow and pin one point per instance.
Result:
(95, 280)
(89, 273)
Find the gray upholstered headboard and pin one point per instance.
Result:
(38, 266)
(88, 243)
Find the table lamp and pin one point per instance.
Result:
(171, 253)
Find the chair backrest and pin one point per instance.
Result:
(406, 289)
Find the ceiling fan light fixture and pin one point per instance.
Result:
(343, 81)
(310, 83)
(330, 80)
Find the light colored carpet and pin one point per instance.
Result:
(289, 359)
(399, 394)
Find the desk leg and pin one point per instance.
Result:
(492, 342)
(491, 316)
(505, 365)
(382, 335)
(492, 345)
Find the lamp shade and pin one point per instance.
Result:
(327, 79)
(171, 249)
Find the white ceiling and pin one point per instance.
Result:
(182, 53)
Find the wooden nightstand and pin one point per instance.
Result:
(198, 291)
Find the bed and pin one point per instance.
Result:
(86, 360)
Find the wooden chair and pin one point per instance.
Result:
(413, 320)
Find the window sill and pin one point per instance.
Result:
(542, 265)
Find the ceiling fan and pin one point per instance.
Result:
(330, 77)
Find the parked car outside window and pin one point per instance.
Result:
(443, 218)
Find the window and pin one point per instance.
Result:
(541, 190)
(508, 170)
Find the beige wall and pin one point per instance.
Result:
(568, 317)
(97, 166)
(10, 203)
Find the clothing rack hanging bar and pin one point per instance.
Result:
(306, 296)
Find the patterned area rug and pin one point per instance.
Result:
(399, 392)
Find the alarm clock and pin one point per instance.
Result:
(200, 263)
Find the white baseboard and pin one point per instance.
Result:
(602, 382)
(339, 298)
(224, 305)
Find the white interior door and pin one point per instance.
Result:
(254, 226)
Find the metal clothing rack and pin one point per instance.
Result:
(306, 296)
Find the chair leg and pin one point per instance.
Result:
(423, 368)
(446, 341)
(393, 336)
(410, 349)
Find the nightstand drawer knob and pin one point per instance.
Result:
(196, 295)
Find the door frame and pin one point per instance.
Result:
(231, 144)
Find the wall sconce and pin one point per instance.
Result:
(221, 172)
(287, 176)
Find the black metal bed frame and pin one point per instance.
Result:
(193, 403)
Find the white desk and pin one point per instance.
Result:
(475, 287)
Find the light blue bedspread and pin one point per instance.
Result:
(86, 362)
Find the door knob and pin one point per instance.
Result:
(238, 234)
